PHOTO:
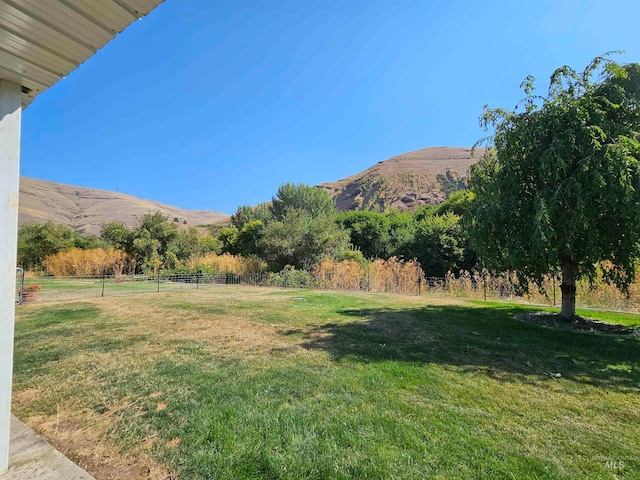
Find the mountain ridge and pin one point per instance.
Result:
(86, 209)
(420, 177)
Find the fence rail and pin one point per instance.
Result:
(55, 288)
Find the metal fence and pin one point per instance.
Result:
(466, 285)
(50, 288)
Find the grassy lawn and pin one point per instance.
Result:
(256, 383)
(60, 289)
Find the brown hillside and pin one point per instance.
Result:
(86, 209)
(421, 177)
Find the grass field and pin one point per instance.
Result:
(253, 383)
(69, 288)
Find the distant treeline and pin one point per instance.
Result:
(300, 228)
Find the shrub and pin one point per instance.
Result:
(290, 277)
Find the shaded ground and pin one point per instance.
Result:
(484, 339)
(553, 320)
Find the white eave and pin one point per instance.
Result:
(42, 41)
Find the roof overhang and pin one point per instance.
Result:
(42, 41)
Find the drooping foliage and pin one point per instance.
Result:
(560, 188)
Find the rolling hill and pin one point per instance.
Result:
(421, 177)
(86, 209)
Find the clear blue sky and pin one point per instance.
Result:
(209, 104)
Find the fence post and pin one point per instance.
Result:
(104, 276)
(197, 280)
(158, 280)
(554, 288)
(484, 281)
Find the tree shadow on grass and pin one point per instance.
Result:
(490, 340)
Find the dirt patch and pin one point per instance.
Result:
(83, 446)
(589, 325)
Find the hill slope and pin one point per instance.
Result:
(421, 177)
(86, 209)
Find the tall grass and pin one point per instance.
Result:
(228, 263)
(383, 276)
(93, 261)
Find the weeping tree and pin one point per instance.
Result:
(559, 188)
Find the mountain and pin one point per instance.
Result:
(421, 177)
(86, 209)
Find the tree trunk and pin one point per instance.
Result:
(568, 288)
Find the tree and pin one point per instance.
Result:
(117, 235)
(301, 240)
(379, 234)
(35, 242)
(245, 214)
(370, 232)
(313, 200)
(155, 242)
(440, 245)
(244, 241)
(560, 189)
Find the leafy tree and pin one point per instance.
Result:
(560, 190)
(228, 238)
(369, 231)
(155, 242)
(244, 241)
(458, 202)
(208, 244)
(403, 229)
(440, 245)
(245, 214)
(248, 241)
(117, 235)
(301, 240)
(35, 242)
(379, 234)
(314, 201)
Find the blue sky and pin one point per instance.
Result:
(211, 104)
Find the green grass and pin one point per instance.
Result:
(301, 384)
(59, 289)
